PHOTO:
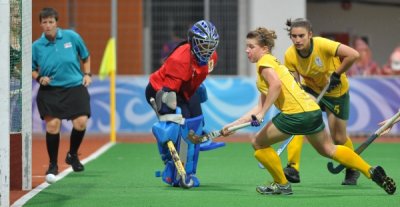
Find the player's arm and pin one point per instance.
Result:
(390, 127)
(87, 77)
(35, 69)
(275, 87)
(247, 117)
(35, 75)
(348, 56)
(42, 80)
(265, 101)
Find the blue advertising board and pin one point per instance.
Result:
(229, 97)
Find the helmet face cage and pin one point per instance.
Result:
(204, 38)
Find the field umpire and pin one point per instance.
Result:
(56, 58)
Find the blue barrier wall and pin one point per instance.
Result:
(229, 97)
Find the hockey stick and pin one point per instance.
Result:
(214, 134)
(286, 143)
(364, 145)
(175, 156)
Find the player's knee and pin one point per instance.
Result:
(327, 150)
(80, 123)
(339, 139)
(254, 143)
(53, 126)
(80, 127)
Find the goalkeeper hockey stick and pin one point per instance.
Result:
(364, 145)
(175, 156)
(214, 134)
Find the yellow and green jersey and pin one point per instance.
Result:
(292, 99)
(317, 68)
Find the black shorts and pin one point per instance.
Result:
(63, 103)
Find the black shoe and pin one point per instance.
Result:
(53, 169)
(73, 160)
(351, 177)
(291, 174)
(378, 175)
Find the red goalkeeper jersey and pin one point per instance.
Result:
(181, 73)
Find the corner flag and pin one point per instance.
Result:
(108, 69)
(108, 63)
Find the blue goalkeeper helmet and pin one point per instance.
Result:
(203, 38)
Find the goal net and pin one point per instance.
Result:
(16, 98)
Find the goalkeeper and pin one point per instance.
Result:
(178, 83)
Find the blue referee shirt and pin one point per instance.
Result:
(60, 60)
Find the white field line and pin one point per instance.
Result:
(20, 202)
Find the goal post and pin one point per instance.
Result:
(26, 90)
(15, 97)
(20, 94)
(5, 103)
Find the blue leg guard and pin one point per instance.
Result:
(165, 131)
(188, 152)
(209, 145)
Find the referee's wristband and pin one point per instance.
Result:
(38, 78)
(88, 74)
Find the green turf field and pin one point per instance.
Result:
(124, 176)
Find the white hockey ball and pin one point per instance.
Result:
(50, 178)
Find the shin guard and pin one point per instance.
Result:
(188, 152)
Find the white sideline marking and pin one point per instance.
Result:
(20, 202)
